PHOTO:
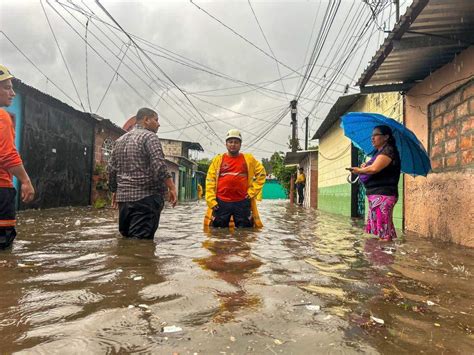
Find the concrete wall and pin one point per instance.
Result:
(441, 205)
(310, 166)
(171, 147)
(334, 193)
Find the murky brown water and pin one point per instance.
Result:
(70, 288)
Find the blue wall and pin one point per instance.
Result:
(16, 108)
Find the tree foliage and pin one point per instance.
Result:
(280, 171)
(203, 165)
(267, 165)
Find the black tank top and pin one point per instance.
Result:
(385, 182)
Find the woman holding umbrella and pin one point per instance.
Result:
(380, 176)
(396, 149)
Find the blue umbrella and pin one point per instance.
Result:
(358, 127)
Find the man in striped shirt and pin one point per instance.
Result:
(139, 178)
(10, 165)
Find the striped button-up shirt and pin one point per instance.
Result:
(137, 166)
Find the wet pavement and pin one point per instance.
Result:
(309, 282)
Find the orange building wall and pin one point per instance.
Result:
(441, 205)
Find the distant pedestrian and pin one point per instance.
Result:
(199, 191)
(380, 176)
(10, 165)
(233, 183)
(139, 178)
(300, 185)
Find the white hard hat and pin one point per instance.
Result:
(4, 73)
(233, 133)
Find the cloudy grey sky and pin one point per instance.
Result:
(201, 77)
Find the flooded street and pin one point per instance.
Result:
(308, 282)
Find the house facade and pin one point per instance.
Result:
(179, 152)
(308, 160)
(56, 143)
(431, 62)
(336, 153)
(442, 205)
(106, 133)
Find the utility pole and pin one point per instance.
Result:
(294, 145)
(306, 133)
(397, 9)
(294, 126)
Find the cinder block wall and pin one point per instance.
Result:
(440, 111)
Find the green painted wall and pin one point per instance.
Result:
(273, 190)
(335, 199)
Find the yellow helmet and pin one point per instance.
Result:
(233, 133)
(4, 73)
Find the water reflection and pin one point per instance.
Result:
(231, 260)
(72, 284)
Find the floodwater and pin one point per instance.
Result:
(308, 282)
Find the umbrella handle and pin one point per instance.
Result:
(350, 181)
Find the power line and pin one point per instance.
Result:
(269, 47)
(243, 38)
(146, 72)
(108, 64)
(148, 57)
(39, 70)
(87, 67)
(114, 74)
(62, 55)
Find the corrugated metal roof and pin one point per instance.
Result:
(21, 87)
(339, 108)
(294, 158)
(427, 37)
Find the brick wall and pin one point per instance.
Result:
(451, 128)
(440, 205)
(101, 134)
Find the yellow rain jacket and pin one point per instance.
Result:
(256, 180)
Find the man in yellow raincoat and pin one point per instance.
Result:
(233, 182)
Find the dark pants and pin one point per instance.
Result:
(140, 219)
(240, 210)
(7, 216)
(300, 190)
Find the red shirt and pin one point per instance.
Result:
(232, 185)
(9, 156)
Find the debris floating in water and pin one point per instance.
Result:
(377, 320)
(171, 329)
(138, 278)
(313, 307)
(430, 303)
(77, 223)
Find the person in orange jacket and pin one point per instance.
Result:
(10, 165)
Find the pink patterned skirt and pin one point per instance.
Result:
(380, 216)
